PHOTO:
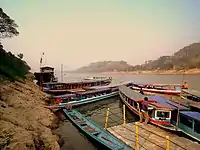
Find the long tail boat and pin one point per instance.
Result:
(58, 88)
(90, 95)
(95, 132)
(191, 95)
(81, 98)
(161, 111)
(171, 89)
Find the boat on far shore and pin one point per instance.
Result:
(170, 89)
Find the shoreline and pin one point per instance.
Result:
(158, 72)
(25, 123)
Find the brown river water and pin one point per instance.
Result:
(74, 140)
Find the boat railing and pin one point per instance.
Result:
(115, 121)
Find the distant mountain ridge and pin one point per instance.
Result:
(105, 66)
(186, 58)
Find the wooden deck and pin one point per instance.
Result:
(147, 139)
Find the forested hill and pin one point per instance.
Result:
(105, 66)
(187, 58)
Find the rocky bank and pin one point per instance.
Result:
(24, 123)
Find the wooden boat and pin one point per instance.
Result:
(94, 131)
(190, 95)
(171, 89)
(81, 98)
(161, 111)
(61, 88)
(189, 123)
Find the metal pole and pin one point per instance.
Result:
(124, 115)
(167, 142)
(136, 136)
(106, 122)
(61, 72)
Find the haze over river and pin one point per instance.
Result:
(77, 141)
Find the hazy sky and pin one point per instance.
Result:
(77, 32)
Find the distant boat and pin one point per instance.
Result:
(161, 111)
(95, 132)
(171, 89)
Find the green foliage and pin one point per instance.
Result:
(12, 67)
(7, 26)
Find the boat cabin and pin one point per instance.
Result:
(160, 109)
(189, 123)
(191, 95)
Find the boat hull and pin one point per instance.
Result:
(91, 100)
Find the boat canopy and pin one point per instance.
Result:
(65, 96)
(110, 85)
(191, 114)
(131, 94)
(93, 91)
(192, 92)
(167, 103)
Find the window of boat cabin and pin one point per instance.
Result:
(186, 121)
(197, 126)
(163, 114)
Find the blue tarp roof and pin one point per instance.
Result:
(191, 114)
(167, 102)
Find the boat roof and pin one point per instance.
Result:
(65, 96)
(191, 114)
(168, 103)
(77, 82)
(93, 91)
(130, 93)
(110, 85)
(134, 83)
(192, 92)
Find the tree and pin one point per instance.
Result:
(20, 55)
(7, 26)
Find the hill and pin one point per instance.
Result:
(186, 58)
(105, 66)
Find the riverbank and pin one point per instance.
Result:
(159, 72)
(24, 123)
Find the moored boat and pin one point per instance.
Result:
(171, 89)
(190, 95)
(81, 98)
(57, 88)
(189, 123)
(94, 131)
(161, 111)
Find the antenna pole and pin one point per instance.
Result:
(61, 72)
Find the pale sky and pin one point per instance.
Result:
(77, 32)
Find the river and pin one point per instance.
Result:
(73, 140)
